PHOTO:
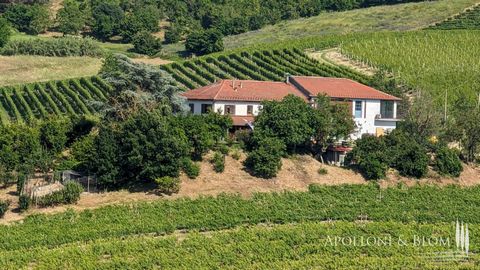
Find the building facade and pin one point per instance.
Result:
(374, 112)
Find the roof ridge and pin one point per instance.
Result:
(222, 83)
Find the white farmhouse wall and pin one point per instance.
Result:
(240, 107)
(367, 123)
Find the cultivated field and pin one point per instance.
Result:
(383, 18)
(434, 61)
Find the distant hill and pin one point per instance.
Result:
(399, 17)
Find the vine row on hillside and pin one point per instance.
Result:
(39, 100)
(262, 65)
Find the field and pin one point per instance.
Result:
(434, 61)
(263, 65)
(26, 69)
(39, 100)
(470, 19)
(281, 230)
(398, 17)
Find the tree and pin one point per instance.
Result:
(173, 34)
(105, 163)
(140, 20)
(5, 32)
(108, 18)
(205, 42)
(447, 162)
(33, 19)
(200, 135)
(70, 18)
(266, 159)
(138, 86)
(371, 156)
(145, 43)
(465, 127)
(53, 135)
(290, 120)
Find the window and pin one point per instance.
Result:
(358, 109)
(386, 109)
(192, 107)
(249, 109)
(206, 108)
(229, 109)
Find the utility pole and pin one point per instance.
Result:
(446, 97)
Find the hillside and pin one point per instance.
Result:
(399, 17)
(434, 61)
(469, 19)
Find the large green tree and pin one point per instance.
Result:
(5, 31)
(71, 18)
(205, 42)
(107, 17)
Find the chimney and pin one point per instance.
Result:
(241, 85)
(287, 78)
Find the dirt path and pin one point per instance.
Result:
(334, 56)
(297, 174)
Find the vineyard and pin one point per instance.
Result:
(434, 61)
(470, 19)
(39, 100)
(263, 65)
(300, 246)
(144, 235)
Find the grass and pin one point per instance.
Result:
(396, 17)
(25, 69)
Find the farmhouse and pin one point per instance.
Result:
(375, 112)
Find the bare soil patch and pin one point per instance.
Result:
(297, 174)
(334, 56)
(151, 61)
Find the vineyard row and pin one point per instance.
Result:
(36, 101)
(266, 65)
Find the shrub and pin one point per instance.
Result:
(191, 169)
(145, 43)
(4, 207)
(68, 195)
(64, 46)
(205, 42)
(266, 160)
(173, 34)
(322, 171)
(5, 32)
(411, 159)
(447, 162)
(236, 154)
(370, 156)
(218, 162)
(168, 185)
(24, 202)
(223, 148)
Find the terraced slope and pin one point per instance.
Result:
(39, 100)
(470, 19)
(263, 65)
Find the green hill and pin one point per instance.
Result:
(397, 17)
(470, 19)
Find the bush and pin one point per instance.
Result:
(218, 162)
(204, 42)
(223, 148)
(4, 207)
(236, 154)
(5, 32)
(447, 162)
(24, 202)
(191, 169)
(68, 195)
(145, 43)
(64, 46)
(173, 34)
(410, 159)
(168, 185)
(266, 160)
(322, 171)
(370, 156)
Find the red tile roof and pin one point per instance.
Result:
(339, 88)
(242, 120)
(243, 90)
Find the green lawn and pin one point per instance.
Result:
(397, 17)
(25, 68)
